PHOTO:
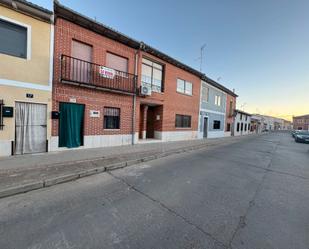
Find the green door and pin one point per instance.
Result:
(71, 124)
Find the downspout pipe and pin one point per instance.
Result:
(134, 96)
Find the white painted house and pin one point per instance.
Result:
(212, 111)
(242, 123)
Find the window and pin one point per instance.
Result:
(246, 117)
(242, 126)
(228, 127)
(180, 85)
(218, 100)
(81, 71)
(231, 108)
(184, 87)
(13, 39)
(116, 62)
(183, 121)
(240, 116)
(205, 93)
(237, 126)
(216, 125)
(111, 118)
(152, 74)
(249, 127)
(245, 127)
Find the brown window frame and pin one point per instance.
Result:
(182, 123)
(105, 120)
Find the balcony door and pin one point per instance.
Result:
(81, 62)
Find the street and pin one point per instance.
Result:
(253, 194)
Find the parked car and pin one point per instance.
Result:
(302, 137)
(295, 132)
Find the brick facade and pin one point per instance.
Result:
(154, 115)
(93, 99)
(229, 119)
(301, 122)
(170, 100)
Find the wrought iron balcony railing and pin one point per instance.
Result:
(88, 74)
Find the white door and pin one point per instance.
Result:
(30, 128)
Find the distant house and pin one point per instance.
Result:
(242, 123)
(230, 109)
(256, 124)
(217, 105)
(270, 123)
(212, 111)
(301, 122)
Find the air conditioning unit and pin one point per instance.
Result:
(145, 90)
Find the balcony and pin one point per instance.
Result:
(91, 75)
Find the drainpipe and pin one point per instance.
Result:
(134, 97)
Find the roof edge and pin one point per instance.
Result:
(95, 26)
(246, 113)
(29, 9)
(100, 28)
(301, 116)
(218, 85)
(153, 51)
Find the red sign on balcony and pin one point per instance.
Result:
(107, 72)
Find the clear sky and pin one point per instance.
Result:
(260, 48)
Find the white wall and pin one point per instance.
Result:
(96, 141)
(175, 135)
(5, 148)
(244, 121)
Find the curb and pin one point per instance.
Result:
(99, 169)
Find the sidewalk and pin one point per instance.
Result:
(24, 173)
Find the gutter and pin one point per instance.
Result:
(134, 97)
(29, 9)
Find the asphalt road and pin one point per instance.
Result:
(253, 194)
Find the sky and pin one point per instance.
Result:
(259, 48)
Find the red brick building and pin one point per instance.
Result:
(171, 111)
(87, 95)
(109, 89)
(230, 109)
(301, 122)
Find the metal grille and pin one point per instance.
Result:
(92, 75)
(111, 118)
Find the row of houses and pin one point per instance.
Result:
(262, 123)
(67, 81)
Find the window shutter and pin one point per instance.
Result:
(13, 39)
(117, 62)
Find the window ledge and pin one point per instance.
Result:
(183, 128)
(190, 95)
(157, 92)
(111, 129)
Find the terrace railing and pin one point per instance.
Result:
(88, 74)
